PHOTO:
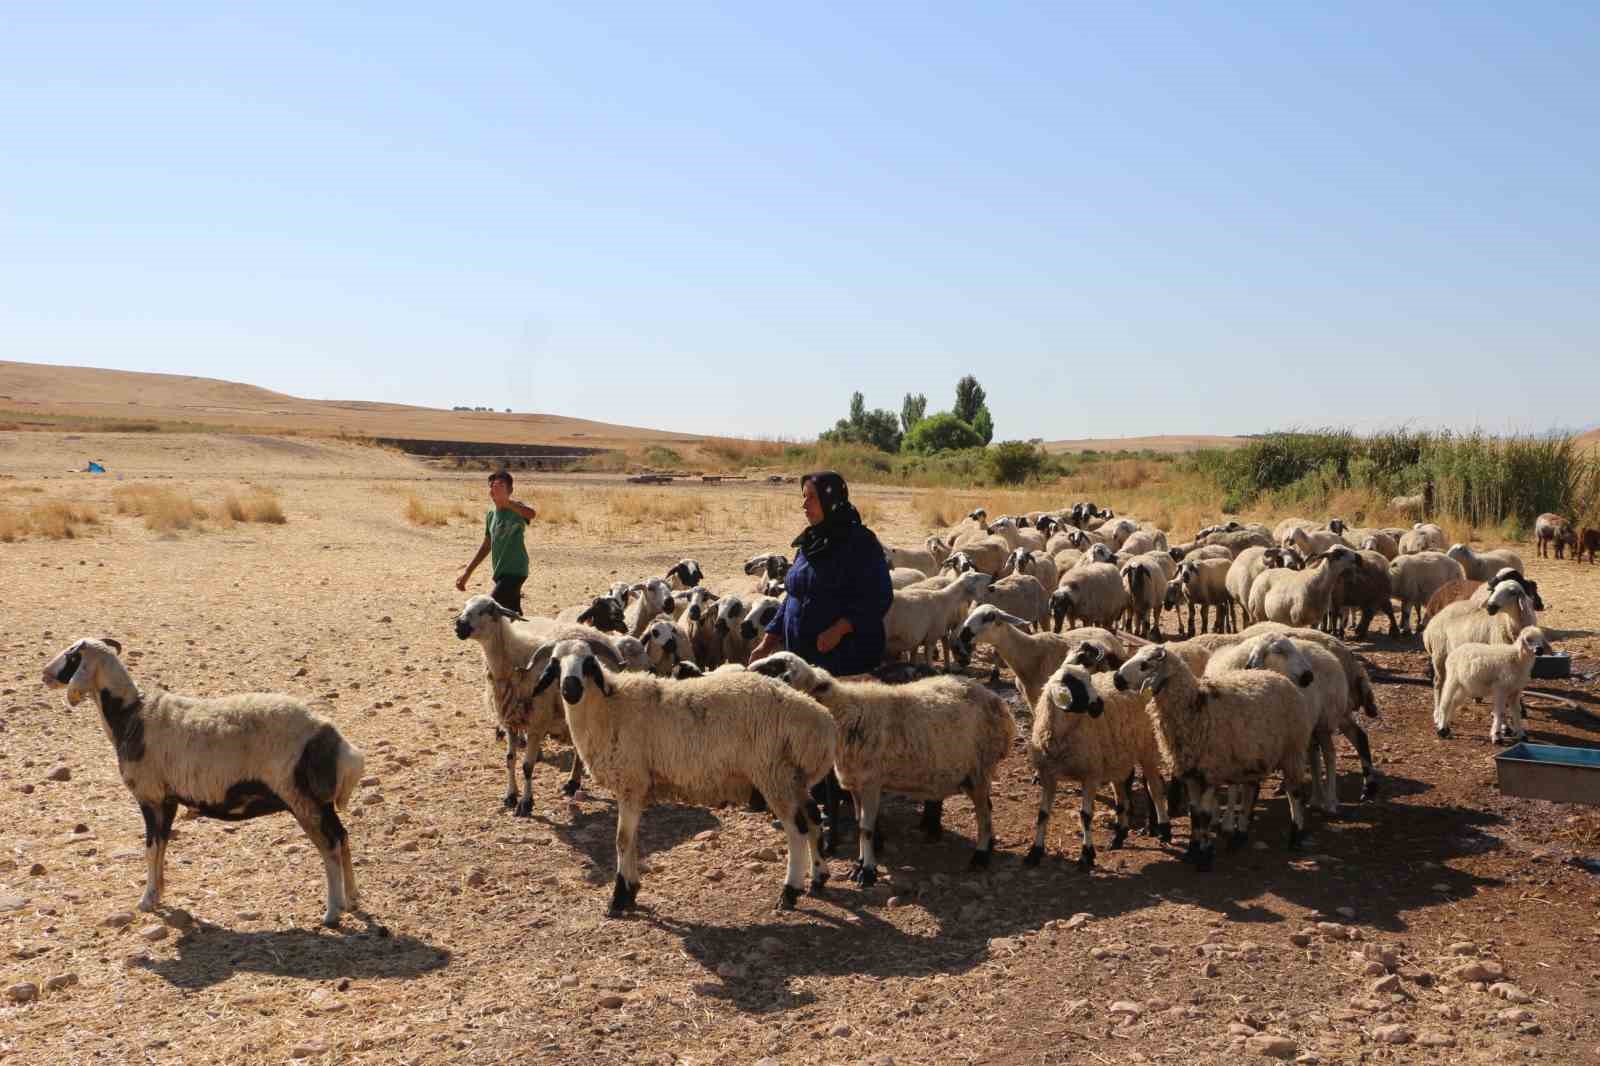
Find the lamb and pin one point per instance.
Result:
(920, 617)
(1204, 583)
(1300, 598)
(1492, 672)
(227, 757)
(1367, 589)
(1085, 730)
(1225, 730)
(1415, 577)
(1031, 657)
(704, 640)
(1480, 566)
(704, 741)
(1147, 588)
(1017, 537)
(926, 740)
(1089, 594)
(1507, 613)
(667, 644)
(1553, 529)
(927, 560)
(1020, 595)
(654, 598)
(608, 614)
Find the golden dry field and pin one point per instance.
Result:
(227, 562)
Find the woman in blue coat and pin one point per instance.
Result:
(838, 587)
(838, 591)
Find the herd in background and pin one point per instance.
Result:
(649, 683)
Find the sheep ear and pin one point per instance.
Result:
(591, 669)
(506, 612)
(547, 678)
(114, 645)
(540, 656)
(1010, 619)
(587, 617)
(604, 650)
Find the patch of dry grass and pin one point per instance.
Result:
(164, 510)
(49, 519)
(257, 505)
(420, 512)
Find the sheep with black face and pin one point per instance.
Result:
(227, 757)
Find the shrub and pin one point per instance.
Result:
(163, 509)
(1013, 462)
(419, 512)
(258, 505)
(941, 432)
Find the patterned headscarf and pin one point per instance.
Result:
(839, 516)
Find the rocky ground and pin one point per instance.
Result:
(1443, 922)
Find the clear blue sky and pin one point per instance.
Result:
(1124, 218)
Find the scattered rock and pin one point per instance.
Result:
(1241, 1029)
(26, 790)
(153, 933)
(569, 980)
(1514, 1016)
(118, 920)
(1209, 969)
(1481, 970)
(1509, 992)
(731, 971)
(12, 903)
(1080, 919)
(610, 1002)
(476, 877)
(840, 1031)
(705, 836)
(1126, 1007)
(1440, 886)
(370, 782)
(1463, 948)
(1392, 1034)
(36, 870)
(765, 855)
(23, 992)
(67, 980)
(1434, 1038)
(1300, 940)
(1347, 913)
(1373, 969)
(308, 1049)
(771, 945)
(60, 773)
(1274, 1047)
(1385, 985)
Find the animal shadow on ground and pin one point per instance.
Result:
(1384, 858)
(593, 834)
(208, 955)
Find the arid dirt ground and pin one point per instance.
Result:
(485, 938)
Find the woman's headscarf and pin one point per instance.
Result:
(839, 516)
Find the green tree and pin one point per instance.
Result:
(913, 409)
(1013, 462)
(983, 424)
(969, 397)
(941, 432)
(879, 428)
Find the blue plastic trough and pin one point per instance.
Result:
(1550, 772)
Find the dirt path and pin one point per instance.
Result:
(487, 939)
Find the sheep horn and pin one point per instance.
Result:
(115, 645)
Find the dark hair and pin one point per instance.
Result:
(501, 475)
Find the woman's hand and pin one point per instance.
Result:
(829, 638)
(770, 642)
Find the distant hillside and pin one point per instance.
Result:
(32, 388)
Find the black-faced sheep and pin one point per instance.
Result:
(228, 757)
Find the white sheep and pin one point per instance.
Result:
(1312, 542)
(987, 555)
(1038, 564)
(740, 622)
(1423, 537)
(1497, 672)
(227, 757)
(1232, 729)
(1481, 566)
(1089, 594)
(1144, 540)
(1204, 583)
(648, 599)
(1031, 657)
(1245, 568)
(1020, 595)
(701, 615)
(1016, 535)
(1507, 613)
(904, 577)
(1282, 530)
(667, 644)
(1085, 730)
(1300, 598)
(684, 574)
(926, 740)
(1147, 589)
(1414, 577)
(704, 741)
(926, 559)
(919, 618)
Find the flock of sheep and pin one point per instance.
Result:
(650, 684)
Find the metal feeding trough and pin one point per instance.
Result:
(1553, 772)
(1552, 667)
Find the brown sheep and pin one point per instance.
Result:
(1588, 541)
(1554, 529)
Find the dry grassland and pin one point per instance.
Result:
(484, 939)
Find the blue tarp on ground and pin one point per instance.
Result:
(94, 468)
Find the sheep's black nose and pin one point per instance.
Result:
(571, 689)
(463, 631)
(747, 631)
(1121, 683)
(1305, 679)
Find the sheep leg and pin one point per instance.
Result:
(1202, 819)
(1297, 814)
(352, 898)
(866, 868)
(979, 794)
(321, 824)
(799, 857)
(530, 759)
(1358, 739)
(1124, 799)
(511, 770)
(1047, 799)
(1156, 789)
(826, 795)
(1330, 766)
(574, 779)
(1445, 699)
(932, 819)
(157, 831)
(626, 891)
(1086, 824)
(1243, 799)
(811, 829)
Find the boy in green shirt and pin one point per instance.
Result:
(502, 540)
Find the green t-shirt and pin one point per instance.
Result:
(507, 553)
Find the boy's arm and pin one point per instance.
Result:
(528, 513)
(483, 550)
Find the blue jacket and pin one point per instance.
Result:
(850, 582)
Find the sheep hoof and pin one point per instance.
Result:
(331, 919)
(819, 880)
(758, 802)
(1295, 833)
(1444, 732)
(1119, 837)
(622, 897)
(1237, 840)
(510, 801)
(864, 875)
(1164, 832)
(980, 859)
(524, 808)
(1192, 852)
(570, 789)
(149, 903)
(932, 820)
(1086, 859)
(1035, 854)
(1369, 788)
(787, 900)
